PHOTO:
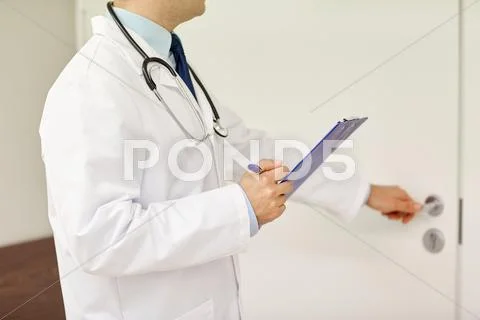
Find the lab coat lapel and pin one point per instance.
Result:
(204, 107)
(105, 27)
(167, 86)
(215, 141)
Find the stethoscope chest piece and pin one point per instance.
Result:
(219, 129)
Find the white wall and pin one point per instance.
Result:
(37, 41)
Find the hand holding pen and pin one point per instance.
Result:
(280, 171)
(266, 195)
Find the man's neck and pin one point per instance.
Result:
(167, 22)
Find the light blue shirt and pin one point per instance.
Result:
(160, 39)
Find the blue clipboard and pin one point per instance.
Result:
(317, 156)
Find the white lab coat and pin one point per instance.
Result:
(154, 247)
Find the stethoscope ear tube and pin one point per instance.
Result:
(218, 128)
(124, 31)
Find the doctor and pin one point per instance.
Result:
(156, 246)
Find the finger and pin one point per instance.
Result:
(280, 201)
(394, 216)
(274, 214)
(268, 164)
(285, 187)
(408, 218)
(406, 206)
(403, 195)
(276, 174)
(395, 213)
(277, 213)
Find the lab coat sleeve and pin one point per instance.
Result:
(343, 199)
(104, 227)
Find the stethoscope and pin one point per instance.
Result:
(219, 129)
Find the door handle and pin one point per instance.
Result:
(434, 206)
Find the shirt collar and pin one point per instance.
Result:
(159, 38)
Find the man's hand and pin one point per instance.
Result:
(393, 202)
(265, 194)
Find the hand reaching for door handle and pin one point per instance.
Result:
(393, 202)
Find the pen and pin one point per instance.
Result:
(258, 170)
(255, 168)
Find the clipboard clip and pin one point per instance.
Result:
(350, 119)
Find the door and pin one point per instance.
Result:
(470, 266)
(395, 62)
(307, 64)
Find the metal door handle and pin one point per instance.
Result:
(434, 206)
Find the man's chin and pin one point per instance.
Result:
(196, 11)
(202, 9)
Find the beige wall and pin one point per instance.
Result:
(37, 41)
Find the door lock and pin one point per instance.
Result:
(434, 241)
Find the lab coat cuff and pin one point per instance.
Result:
(243, 212)
(363, 193)
(254, 228)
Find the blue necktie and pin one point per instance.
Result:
(181, 61)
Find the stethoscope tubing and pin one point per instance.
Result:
(219, 130)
